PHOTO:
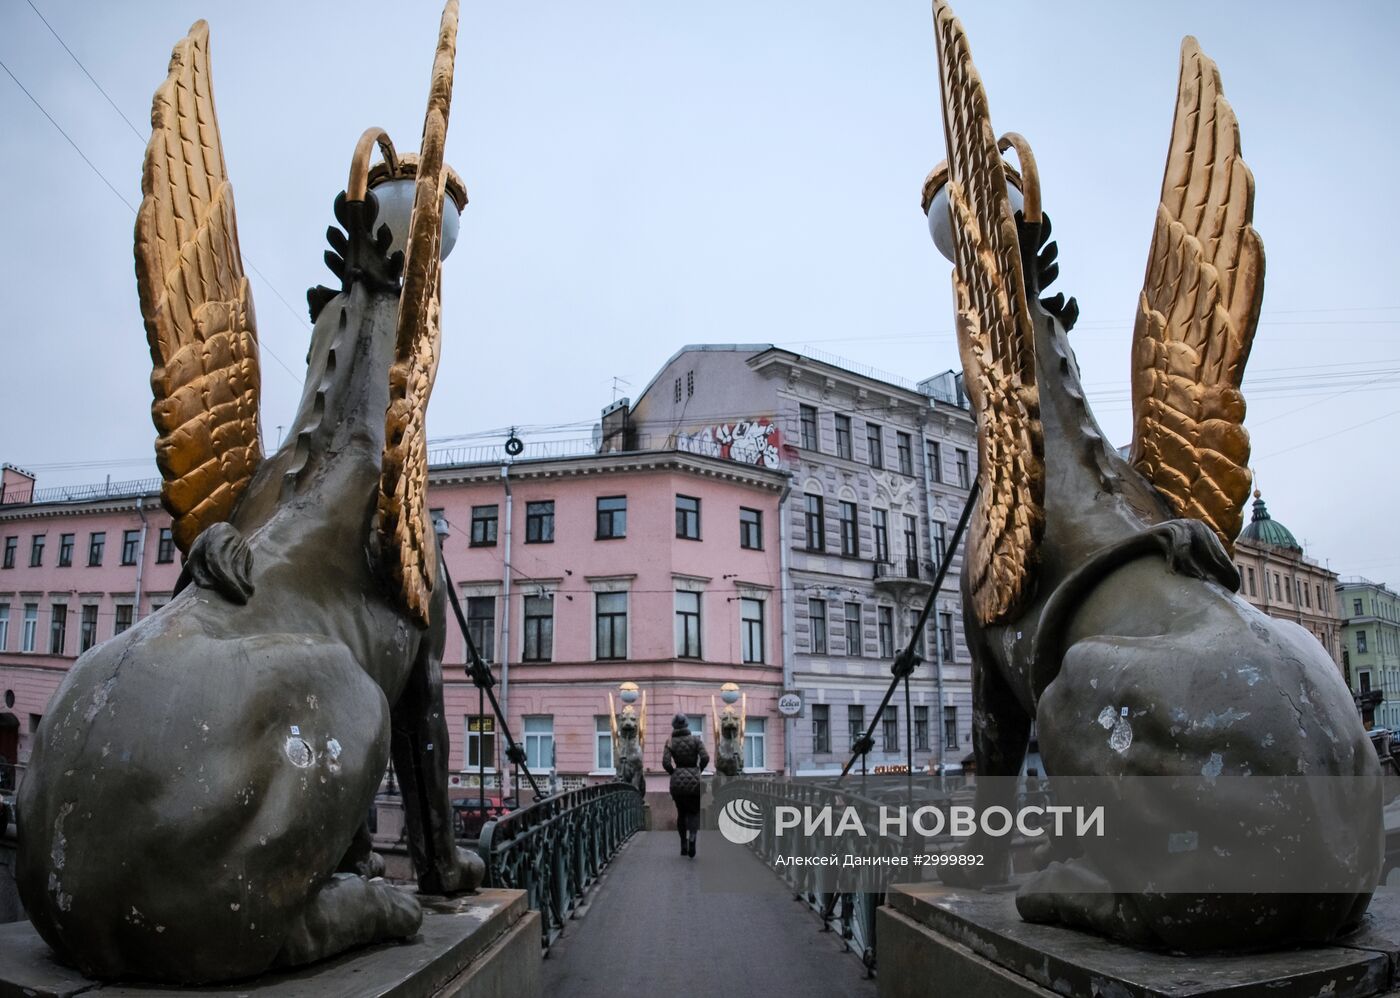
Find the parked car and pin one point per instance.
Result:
(470, 814)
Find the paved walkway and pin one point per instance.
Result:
(718, 926)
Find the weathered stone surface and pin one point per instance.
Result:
(978, 944)
(479, 946)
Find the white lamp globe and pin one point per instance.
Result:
(395, 199)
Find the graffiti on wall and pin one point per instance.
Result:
(748, 441)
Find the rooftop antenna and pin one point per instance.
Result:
(617, 384)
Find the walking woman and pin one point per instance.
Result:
(685, 758)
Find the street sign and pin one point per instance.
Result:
(790, 704)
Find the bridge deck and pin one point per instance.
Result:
(717, 926)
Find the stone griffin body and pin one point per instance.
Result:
(629, 731)
(1100, 600)
(729, 739)
(195, 805)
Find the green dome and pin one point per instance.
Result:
(1264, 529)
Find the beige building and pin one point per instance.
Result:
(1278, 578)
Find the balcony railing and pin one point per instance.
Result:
(903, 568)
(26, 494)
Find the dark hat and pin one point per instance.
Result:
(679, 721)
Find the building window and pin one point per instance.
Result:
(1361, 641)
(850, 543)
(678, 389)
(1250, 573)
(964, 474)
(880, 527)
(1306, 594)
(807, 419)
(58, 631)
(131, 539)
(539, 742)
(940, 543)
(911, 547)
(933, 454)
(884, 616)
(950, 727)
(687, 624)
(843, 436)
(481, 741)
(855, 723)
(484, 521)
(890, 722)
(539, 629)
(750, 528)
(29, 634)
(875, 444)
(4, 626)
(696, 724)
(123, 618)
(921, 728)
(612, 625)
(821, 728)
(87, 635)
(816, 620)
(65, 550)
(165, 547)
(539, 522)
(97, 542)
(853, 641)
(1277, 593)
(688, 517)
(481, 625)
(816, 525)
(612, 517)
(945, 636)
(916, 634)
(11, 546)
(751, 628)
(689, 383)
(1365, 679)
(36, 551)
(905, 448)
(1355, 605)
(602, 742)
(755, 752)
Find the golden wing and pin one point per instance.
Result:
(196, 303)
(995, 339)
(1198, 311)
(405, 526)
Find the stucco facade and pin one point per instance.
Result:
(879, 474)
(1370, 639)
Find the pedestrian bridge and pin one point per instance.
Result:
(623, 913)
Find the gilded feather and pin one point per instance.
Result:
(196, 303)
(405, 526)
(1198, 311)
(995, 338)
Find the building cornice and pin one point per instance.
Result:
(629, 462)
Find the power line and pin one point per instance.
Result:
(71, 55)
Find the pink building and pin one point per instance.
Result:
(577, 574)
(77, 565)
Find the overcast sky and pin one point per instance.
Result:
(645, 175)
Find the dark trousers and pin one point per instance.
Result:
(687, 815)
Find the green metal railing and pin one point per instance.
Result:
(556, 848)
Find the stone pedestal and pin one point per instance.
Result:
(482, 946)
(933, 941)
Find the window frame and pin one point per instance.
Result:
(97, 548)
(29, 628)
(821, 729)
(131, 547)
(933, 456)
(87, 626)
(884, 631)
(539, 522)
(36, 550)
(484, 525)
(755, 744)
(880, 531)
(482, 626)
(616, 633)
(65, 550)
(904, 452)
(875, 445)
(165, 546)
(843, 437)
(541, 739)
(751, 529)
(543, 627)
(963, 461)
(687, 626)
(602, 734)
(58, 628)
(855, 723)
(855, 639)
(816, 626)
(889, 728)
(610, 522)
(687, 519)
(950, 726)
(118, 624)
(751, 628)
(473, 743)
(921, 739)
(815, 521)
(808, 428)
(849, 520)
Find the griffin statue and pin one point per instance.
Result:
(195, 805)
(629, 732)
(729, 739)
(1100, 598)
